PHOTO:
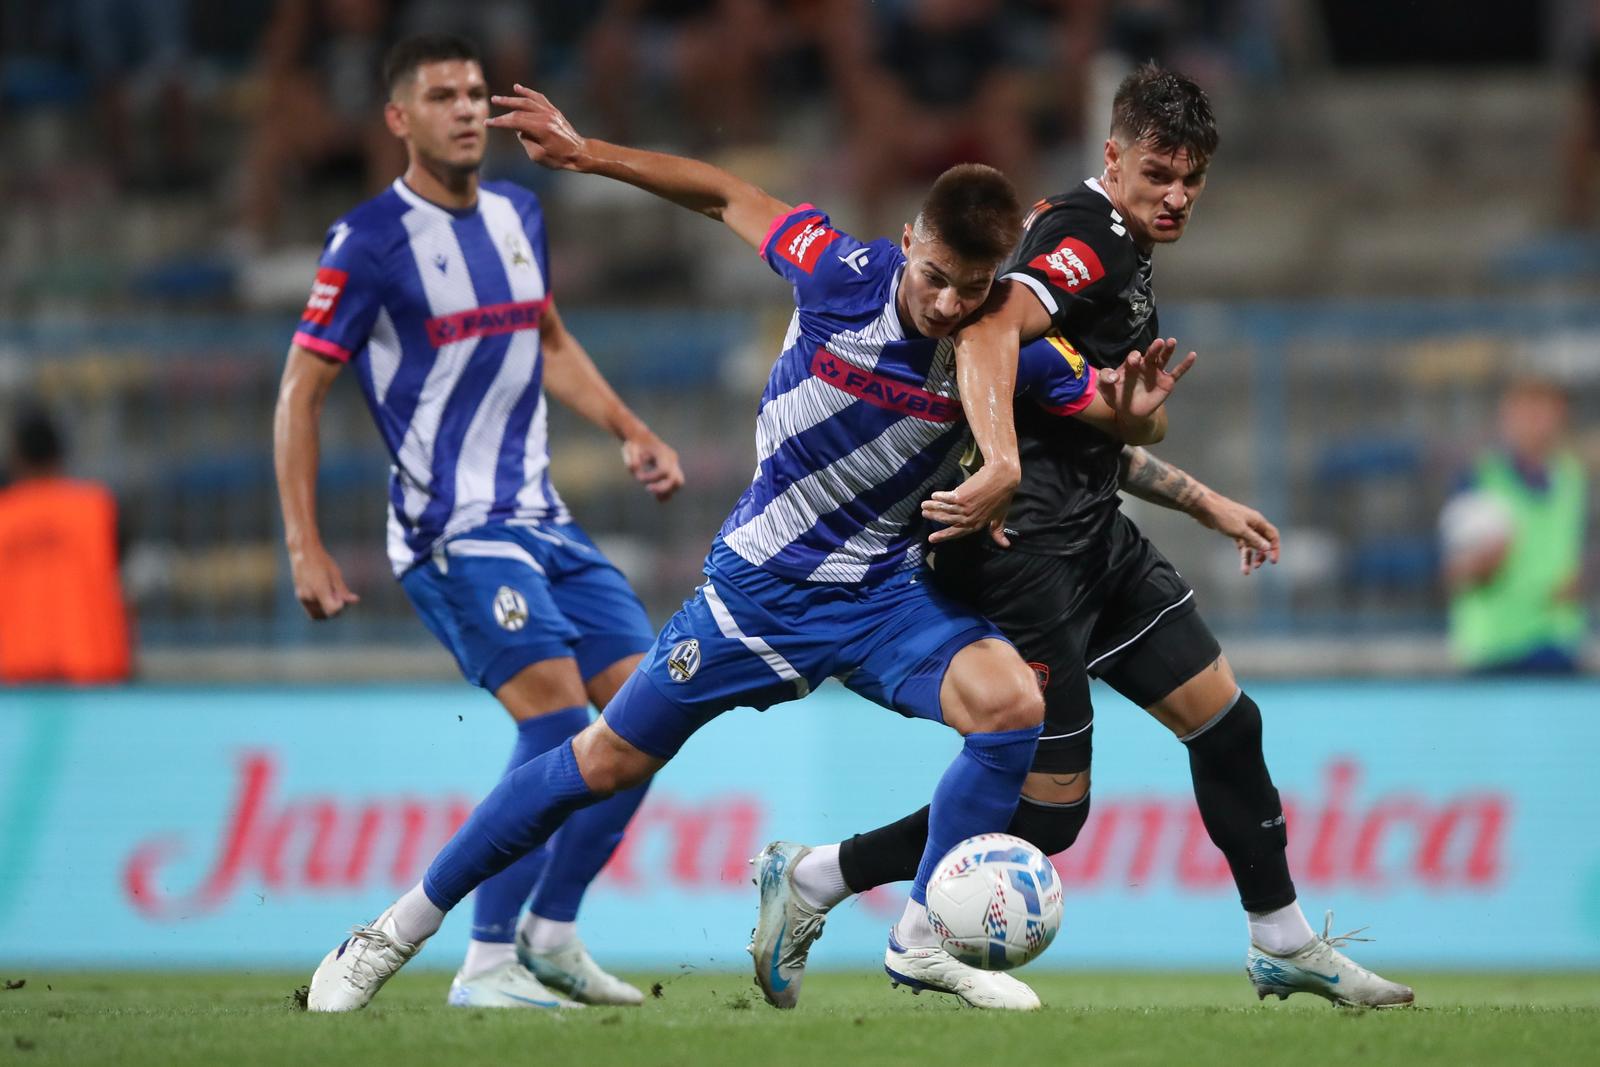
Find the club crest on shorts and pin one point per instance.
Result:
(510, 610)
(683, 660)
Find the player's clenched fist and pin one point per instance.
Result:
(319, 585)
(654, 464)
(546, 135)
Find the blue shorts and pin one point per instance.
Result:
(501, 597)
(750, 638)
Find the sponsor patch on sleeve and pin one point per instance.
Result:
(325, 293)
(803, 242)
(1072, 265)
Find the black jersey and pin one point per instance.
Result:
(1078, 259)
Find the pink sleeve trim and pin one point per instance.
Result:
(779, 221)
(1072, 407)
(321, 347)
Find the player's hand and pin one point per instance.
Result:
(980, 502)
(653, 464)
(1143, 382)
(318, 583)
(545, 134)
(1256, 537)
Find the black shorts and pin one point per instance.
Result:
(1118, 611)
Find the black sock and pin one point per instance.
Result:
(891, 853)
(888, 854)
(1239, 805)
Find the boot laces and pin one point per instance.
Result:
(367, 955)
(1337, 940)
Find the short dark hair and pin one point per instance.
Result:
(973, 210)
(412, 52)
(35, 440)
(1164, 109)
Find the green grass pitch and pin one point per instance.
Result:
(708, 1020)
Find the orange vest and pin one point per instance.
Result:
(62, 617)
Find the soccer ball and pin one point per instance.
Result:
(995, 902)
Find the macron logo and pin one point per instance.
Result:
(340, 232)
(855, 260)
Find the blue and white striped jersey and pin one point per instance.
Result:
(858, 422)
(439, 311)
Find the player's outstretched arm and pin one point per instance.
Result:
(296, 445)
(986, 376)
(551, 141)
(1149, 478)
(572, 378)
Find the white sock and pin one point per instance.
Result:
(913, 931)
(416, 918)
(486, 956)
(546, 935)
(1281, 932)
(818, 878)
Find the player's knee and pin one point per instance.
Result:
(1237, 726)
(1052, 828)
(608, 763)
(1015, 704)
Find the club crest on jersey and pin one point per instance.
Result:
(518, 251)
(684, 660)
(1072, 265)
(325, 293)
(803, 243)
(510, 610)
(1139, 308)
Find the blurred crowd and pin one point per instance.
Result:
(248, 106)
(258, 98)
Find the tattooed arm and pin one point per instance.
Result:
(1149, 478)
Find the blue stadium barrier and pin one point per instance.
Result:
(249, 827)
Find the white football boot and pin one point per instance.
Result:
(934, 968)
(786, 926)
(350, 976)
(510, 985)
(571, 970)
(1319, 967)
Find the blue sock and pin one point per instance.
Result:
(579, 850)
(498, 902)
(977, 795)
(518, 815)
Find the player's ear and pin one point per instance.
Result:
(394, 116)
(1113, 154)
(905, 240)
